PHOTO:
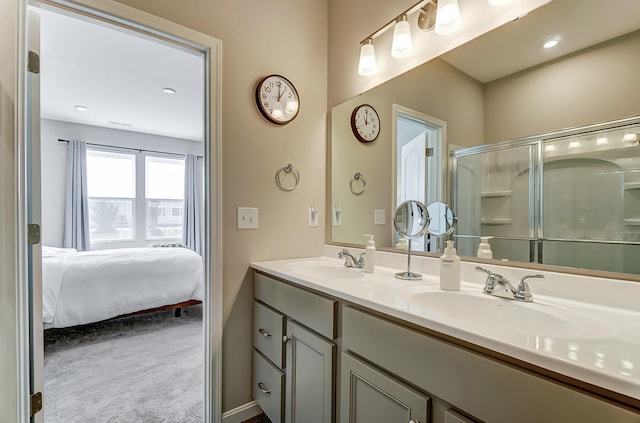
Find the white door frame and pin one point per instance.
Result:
(14, 306)
(440, 128)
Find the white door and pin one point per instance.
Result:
(34, 211)
(412, 176)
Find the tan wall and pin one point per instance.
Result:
(287, 37)
(597, 85)
(436, 89)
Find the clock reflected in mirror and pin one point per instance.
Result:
(365, 123)
(277, 99)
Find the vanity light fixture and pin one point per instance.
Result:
(448, 18)
(402, 44)
(80, 108)
(443, 15)
(367, 65)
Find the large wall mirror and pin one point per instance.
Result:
(499, 90)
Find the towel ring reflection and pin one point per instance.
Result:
(288, 168)
(357, 177)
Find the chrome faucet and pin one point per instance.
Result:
(350, 260)
(499, 286)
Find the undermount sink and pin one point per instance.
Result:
(492, 316)
(324, 270)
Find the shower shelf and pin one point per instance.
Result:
(495, 193)
(632, 185)
(499, 221)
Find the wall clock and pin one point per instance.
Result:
(365, 123)
(277, 99)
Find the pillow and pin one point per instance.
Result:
(168, 244)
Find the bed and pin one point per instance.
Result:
(90, 286)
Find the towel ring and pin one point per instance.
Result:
(288, 168)
(357, 177)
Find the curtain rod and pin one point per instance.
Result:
(130, 148)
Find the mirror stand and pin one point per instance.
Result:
(409, 275)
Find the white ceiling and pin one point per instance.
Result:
(517, 46)
(119, 76)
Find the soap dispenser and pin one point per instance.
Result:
(370, 255)
(450, 269)
(484, 249)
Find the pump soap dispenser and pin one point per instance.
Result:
(484, 249)
(450, 269)
(370, 255)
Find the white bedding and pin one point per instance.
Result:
(85, 287)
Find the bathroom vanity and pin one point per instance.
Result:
(335, 344)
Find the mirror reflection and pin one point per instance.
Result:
(503, 87)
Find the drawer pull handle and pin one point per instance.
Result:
(263, 389)
(285, 339)
(264, 333)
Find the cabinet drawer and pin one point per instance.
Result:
(312, 310)
(268, 385)
(268, 328)
(485, 388)
(369, 395)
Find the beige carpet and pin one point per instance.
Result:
(142, 369)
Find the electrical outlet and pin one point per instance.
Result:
(247, 218)
(379, 217)
(313, 216)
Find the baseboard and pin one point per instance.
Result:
(242, 413)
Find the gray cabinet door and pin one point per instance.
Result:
(370, 396)
(309, 372)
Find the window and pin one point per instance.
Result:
(134, 197)
(111, 189)
(164, 194)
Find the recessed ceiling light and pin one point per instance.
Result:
(168, 90)
(550, 43)
(80, 108)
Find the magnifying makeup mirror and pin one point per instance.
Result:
(411, 221)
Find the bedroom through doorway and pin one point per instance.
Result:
(123, 133)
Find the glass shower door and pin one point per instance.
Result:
(494, 196)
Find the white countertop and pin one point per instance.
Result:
(602, 348)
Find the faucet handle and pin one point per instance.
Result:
(523, 292)
(490, 282)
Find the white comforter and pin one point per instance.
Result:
(85, 287)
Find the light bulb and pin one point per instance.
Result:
(367, 64)
(448, 17)
(402, 44)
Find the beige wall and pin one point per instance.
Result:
(595, 85)
(436, 89)
(287, 37)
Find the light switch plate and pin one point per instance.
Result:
(247, 218)
(379, 217)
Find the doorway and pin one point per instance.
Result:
(419, 149)
(209, 49)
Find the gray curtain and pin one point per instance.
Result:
(76, 219)
(192, 216)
